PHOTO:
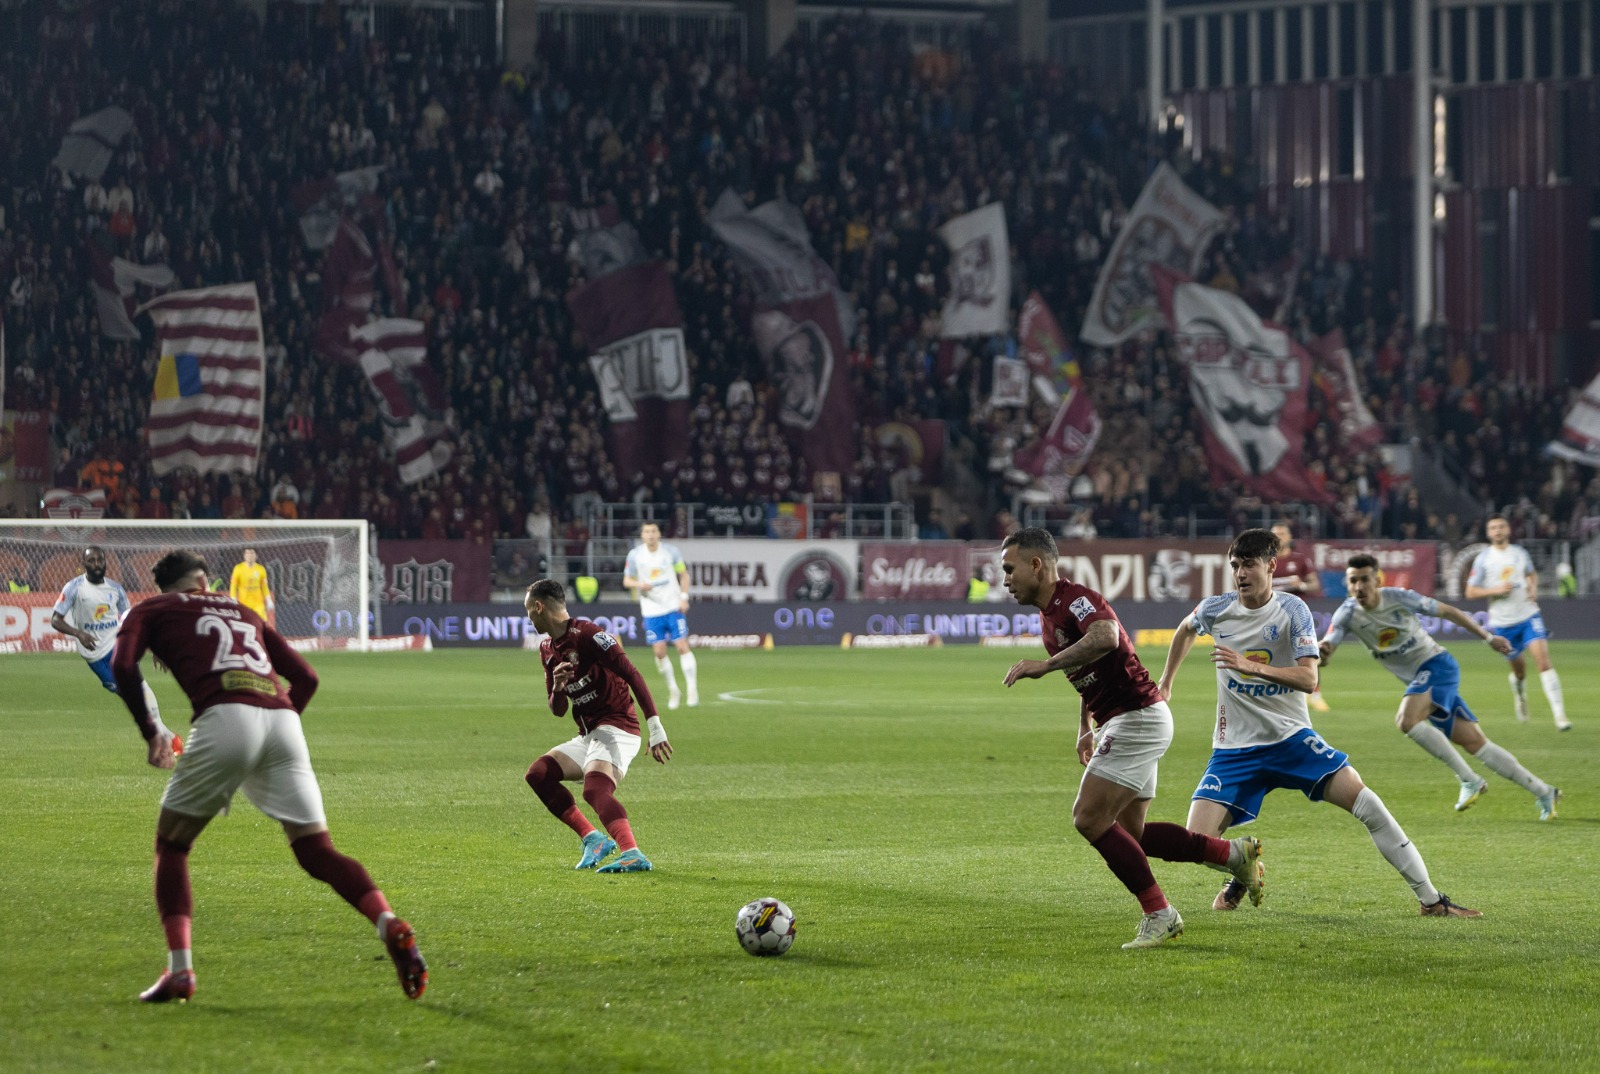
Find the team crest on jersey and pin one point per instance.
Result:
(1082, 608)
(1061, 637)
(1271, 632)
(1387, 636)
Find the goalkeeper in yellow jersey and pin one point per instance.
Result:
(249, 587)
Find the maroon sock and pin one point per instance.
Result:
(600, 792)
(174, 899)
(1127, 861)
(545, 779)
(343, 874)
(1173, 842)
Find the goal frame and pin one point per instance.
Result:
(367, 613)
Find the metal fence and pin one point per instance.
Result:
(854, 521)
(473, 22)
(586, 26)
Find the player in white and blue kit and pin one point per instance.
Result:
(1266, 659)
(1503, 574)
(657, 573)
(1432, 713)
(90, 610)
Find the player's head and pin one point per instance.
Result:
(180, 572)
(250, 556)
(650, 534)
(1362, 577)
(1498, 530)
(94, 564)
(1028, 562)
(1251, 557)
(546, 604)
(1285, 537)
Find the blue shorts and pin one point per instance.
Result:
(1440, 679)
(102, 671)
(669, 627)
(1240, 779)
(1521, 635)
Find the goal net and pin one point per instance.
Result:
(318, 571)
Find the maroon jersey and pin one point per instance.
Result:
(219, 651)
(1291, 565)
(599, 690)
(1115, 683)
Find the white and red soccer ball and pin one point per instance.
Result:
(765, 927)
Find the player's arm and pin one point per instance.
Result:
(235, 580)
(1335, 635)
(630, 576)
(1476, 590)
(59, 622)
(1182, 641)
(131, 645)
(1301, 675)
(682, 572)
(1310, 584)
(615, 659)
(556, 678)
(266, 590)
(1470, 625)
(1531, 584)
(300, 676)
(1101, 638)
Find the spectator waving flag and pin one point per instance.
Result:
(1248, 380)
(116, 282)
(1051, 363)
(1064, 449)
(1580, 431)
(411, 399)
(979, 302)
(800, 324)
(91, 142)
(1169, 225)
(1335, 374)
(349, 291)
(205, 411)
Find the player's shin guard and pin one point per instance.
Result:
(1129, 864)
(1552, 692)
(1502, 763)
(342, 873)
(600, 792)
(1391, 841)
(691, 671)
(664, 665)
(1173, 842)
(545, 779)
(174, 899)
(1434, 741)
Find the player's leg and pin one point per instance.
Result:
(1415, 721)
(1470, 737)
(545, 776)
(1519, 670)
(175, 835)
(102, 671)
(1230, 792)
(1539, 649)
(610, 751)
(686, 660)
(656, 633)
(1345, 790)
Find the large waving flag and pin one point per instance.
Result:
(411, 399)
(116, 283)
(979, 302)
(1580, 429)
(92, 141)
(205, 412)
(1169, 225)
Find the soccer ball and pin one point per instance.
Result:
(765, 927)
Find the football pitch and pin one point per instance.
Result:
(915, 814)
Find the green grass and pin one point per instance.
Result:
(915, 814)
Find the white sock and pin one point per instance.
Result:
(1519, 687)
(691, 671)
(1434, 741)
(383, 924)
(1392, 843)
(1552, 691)
(150, 702)
(178, 961)
(664, 665)
(1502, 763)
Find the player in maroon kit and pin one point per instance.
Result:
(245, 736)
(586, 669)
(1296, 573)
(1123, 729)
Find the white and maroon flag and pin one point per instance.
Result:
(1065, 448)
(1248, 380)
(1051, 363)
(349, 291)
(205, 410)
(800, 325)
(1169, 225)
(321, 204)
(1580, 430)
(411, 399)
(631, 321)
(116, 285)
(979, 302)
(92, 141)
(1335, 374)
(1010, 382)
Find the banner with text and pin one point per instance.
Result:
(742, 569)
(434, 572)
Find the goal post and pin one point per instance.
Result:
(319, 571)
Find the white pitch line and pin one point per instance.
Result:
(738, 697)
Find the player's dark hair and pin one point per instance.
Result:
(549, 590)
(1497, 516)
(174, 567)
(1033, 540)
(1254, 544)
(1361, 561)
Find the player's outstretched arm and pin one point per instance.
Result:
(1470, 625)
(1182, 641)
(1100, 639)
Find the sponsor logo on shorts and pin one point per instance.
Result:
(1211, 782)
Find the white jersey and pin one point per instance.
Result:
(1252, 711)
(659, 570)
(1497, 566)
(1391, 630)
(99, 609)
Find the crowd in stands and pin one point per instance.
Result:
(488, 173)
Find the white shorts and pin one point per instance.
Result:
(605, 743)
(243, 747)
(1128, 748)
